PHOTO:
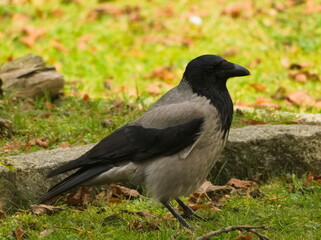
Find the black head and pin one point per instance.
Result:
(211, 71)
(207, 76)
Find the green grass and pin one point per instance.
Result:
(126, 47)
(293, 216)
(125, 52)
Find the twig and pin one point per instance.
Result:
(233, 228)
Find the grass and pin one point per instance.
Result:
(289, 209)
(135, 37)
(112, 57)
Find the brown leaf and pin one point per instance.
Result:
(301, 98)
(45, 233)
(241, 184)
(300, 65)
(115, 200)
(41, 142)
(285, 62)
(32, 35)
(255, 62)
(163, 72)
(11, 146)
(86, 97)
(43, 209)
(152, 89)
(311, 178)
(2, 214)
(120, 192)
(56, 44)
(243, 237)
(251, 121)
(83, 40)
(141, 214)
(29, 144)
(275, 198)
(19, 233)
(80, 198)
(208, 191)
(144, 226)
(279, 94)
(48, 105)
(259, 87)
(64, 145)
(238, 9)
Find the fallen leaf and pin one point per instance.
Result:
(45, 233)
(80, 198)
(279, 94)
(301, 98)
(311, 178)
(64, 145)
(208, 191)
(86, 97)
(83, 40)
(56, 44)
(163, 72)
(241, 184)
(139, 213)
(121, 191)
(144, 226)
(32, 34)
(285, 62)
(115, 200)
(251, 121)
(300, 65)
(19, 233)
(243, 237)
(230, 52)
(259, 87)
(153, 90)
(255, 62)
(41, 142)
(2, 214)
(11, 146)
(43, 209)
(238, 9)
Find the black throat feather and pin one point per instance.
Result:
(222, 101)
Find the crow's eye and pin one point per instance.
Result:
(210, 68)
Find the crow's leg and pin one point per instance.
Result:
(188, 212)
(177, 215)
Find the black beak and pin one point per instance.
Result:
(240, 71)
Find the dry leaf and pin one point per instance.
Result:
(43, 209)
(32, 35)
(152, 89)
(115, 200)
(56, 44)
(45, 233)
(243, 237)
(279, 94)
(241, 184)
(11, 146)
(80, 198)
(86, 97)
(41, 142)
(301, 98)
(141, 214)
(83, 40)
(259, 87)
(19, 233)
(238, 9)
(120, 192)
(163, 72)
(2, 214)
(144, 226)
(208, 191)
(275, 198)
(251, 121)
(312, 178)
(64, 145)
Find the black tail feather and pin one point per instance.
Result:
(81, 176)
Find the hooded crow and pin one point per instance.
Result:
(171, 149)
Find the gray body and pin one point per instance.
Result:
(169, 177)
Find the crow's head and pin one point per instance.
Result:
(211, 71)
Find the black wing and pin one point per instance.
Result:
(136, 143)
(129, 143)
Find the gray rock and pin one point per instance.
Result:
(269, 150)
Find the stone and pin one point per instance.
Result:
(266, 150)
